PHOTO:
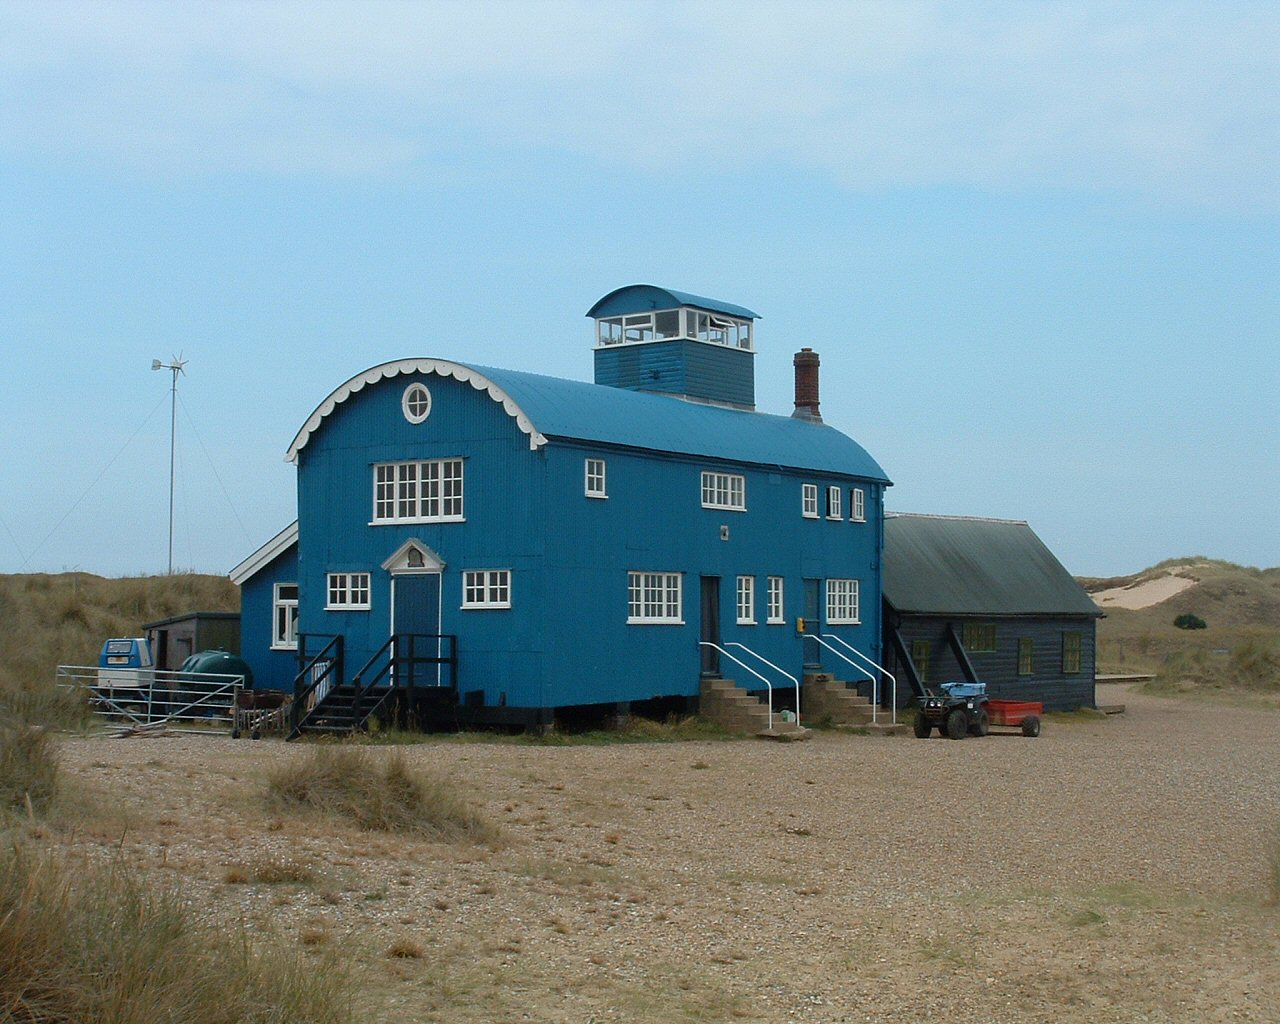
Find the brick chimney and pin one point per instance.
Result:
(806, 364)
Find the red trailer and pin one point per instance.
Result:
(1023, 714)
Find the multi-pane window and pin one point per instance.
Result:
(486, 588)
(724, 490)
(653, 597)
(416, 403)
(842, 601)
(1026, 656)
(746, 600)
(284, 633)
(809, 501)
(833, 503)
(348, 590)
(417, 491)
(776, 613)
(595, 478)
(1071, 647)
(857, 505)
(979, 636)
(920, 651)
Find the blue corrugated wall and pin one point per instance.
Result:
(565, 640)
(272, 669)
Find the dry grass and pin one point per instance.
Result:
(63, 619)
(378, 794)
(94, 946)
(28, 769)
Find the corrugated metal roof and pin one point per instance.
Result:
(640, 298)
(545, 407)
(592, 412)
(961, 566)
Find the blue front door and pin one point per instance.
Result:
(416, 611)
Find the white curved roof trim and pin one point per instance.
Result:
(439, 367)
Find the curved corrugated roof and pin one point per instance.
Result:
(956, 565)
(551, 407)
(640, 298)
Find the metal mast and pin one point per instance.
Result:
(176, 368)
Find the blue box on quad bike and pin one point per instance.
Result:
(957, 689)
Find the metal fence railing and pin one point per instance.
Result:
(146, 698)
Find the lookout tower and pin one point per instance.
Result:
(674, 343)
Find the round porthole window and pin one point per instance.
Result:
(416, 403)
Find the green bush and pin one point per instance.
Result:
(1189, 621)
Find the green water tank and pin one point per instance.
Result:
(219, 662)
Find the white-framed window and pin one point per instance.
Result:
(284, 617)
(833, 503)
(746, 600)
(809, 501)
(595, 479)
(653, 597)
(416, 402)
(417, 492)
(724, 490)
(842, 602)
(348, 591)
(663, 324)
(776, 612)
(857, 504)
(486, 588)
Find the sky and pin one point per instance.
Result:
(1036, 245)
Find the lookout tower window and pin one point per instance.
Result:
(667, 324)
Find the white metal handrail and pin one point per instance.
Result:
(768, 685)
(893, 698)
(781, 671)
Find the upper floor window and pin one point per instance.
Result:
(416, 402)
(665, 324)
(776, 613)
(417, 491)
(486, 588)
(858, 505)
(284, 632)
(1072, 646)
(653, 597)
(724, 490)
(833, 503)
(809, 501)
(746, 600)
(842, 602)
(979, 636)
(595, 478)
(348, 591)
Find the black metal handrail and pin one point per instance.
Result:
(399, 650)
(332, 657)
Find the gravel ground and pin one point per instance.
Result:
(1118, 869)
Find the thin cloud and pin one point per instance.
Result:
(1181, 107)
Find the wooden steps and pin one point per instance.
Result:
(732, 708)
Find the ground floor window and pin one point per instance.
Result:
(284, 634)
(920, 650)
(348, 591)
(653, 597)
(1026, 653)
(746, 600)
(486, 588)
(1071, 646)
(979, 636)
(776, 613)
(842, 602)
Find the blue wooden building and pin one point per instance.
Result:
(520, 544)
